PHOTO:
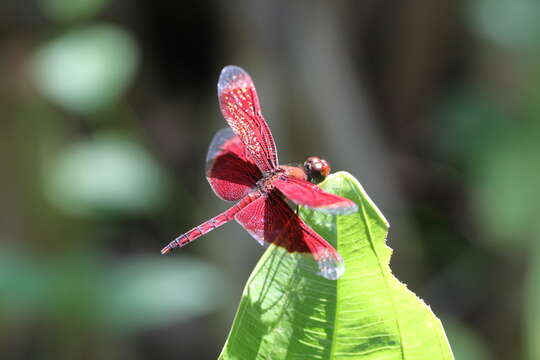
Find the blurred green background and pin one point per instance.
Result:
(107, 108)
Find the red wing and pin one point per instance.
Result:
(230, 173)
(240, 107)
(307, 194)
(270, 220)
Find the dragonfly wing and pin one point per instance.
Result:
(252, 219)
(240, 106)
(230, 173)
(307, 194)
(270, 220)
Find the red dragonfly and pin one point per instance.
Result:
(242, 165)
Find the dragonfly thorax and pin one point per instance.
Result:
(266, 184)
(314, 170)
(295, 172)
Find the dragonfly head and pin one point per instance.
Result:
(317, 169)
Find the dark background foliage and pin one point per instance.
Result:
(107, 108)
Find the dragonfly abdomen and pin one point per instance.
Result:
(211, 224)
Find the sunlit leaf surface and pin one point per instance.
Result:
(288, 312)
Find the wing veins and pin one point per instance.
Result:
(264, 140)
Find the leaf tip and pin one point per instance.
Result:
(341, 179)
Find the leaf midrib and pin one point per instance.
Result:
(336, 314)
(384, 276)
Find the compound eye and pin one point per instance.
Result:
(312, 159)
(317, 169)
(325, 168)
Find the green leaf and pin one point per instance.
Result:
(288, 312)
(108, 174)
(466, 343)
(145, 292)
(86, 69)
(80, 290)
(69, 10)
(532, 309)
(510, 23)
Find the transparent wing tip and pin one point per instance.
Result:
(217, 142)
(346, 209)
(230, 69)
(351, 209)
(331, 266)
(233, 76)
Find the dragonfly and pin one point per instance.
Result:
(242, 166)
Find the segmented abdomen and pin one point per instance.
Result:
(211, 224)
